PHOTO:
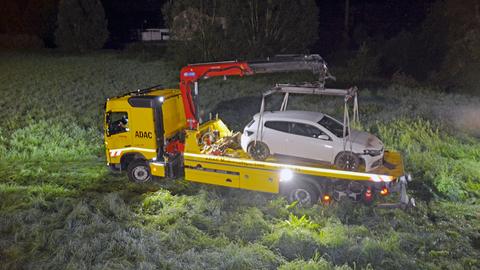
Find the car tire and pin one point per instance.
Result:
(258, 151)
(139, 171)
(347, 161)
(305, 193)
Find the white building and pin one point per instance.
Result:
(154, 34)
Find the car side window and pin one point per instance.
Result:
(305, 130)
(277, 125)
(117, 122)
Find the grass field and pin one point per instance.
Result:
(60, 208)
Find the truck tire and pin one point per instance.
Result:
(305, 193)
(347, 161)
(258, 151)
(139, 171)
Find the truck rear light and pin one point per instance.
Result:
(368, 194)
(326, 199)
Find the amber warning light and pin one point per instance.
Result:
(384, 191)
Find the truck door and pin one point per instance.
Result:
(117, 130)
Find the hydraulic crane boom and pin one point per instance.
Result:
(191, 74)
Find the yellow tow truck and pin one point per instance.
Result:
(158, 132)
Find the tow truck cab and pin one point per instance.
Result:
(139, 124)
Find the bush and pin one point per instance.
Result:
(312, 264)
(295, 238)
(248, 225)
(20, 41)
(363, 66)
(81, 25)
(51, 140)
(449, 165)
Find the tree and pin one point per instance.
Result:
(27, 23)
(461, 66)
(11, 18)
(39, 19)
(262, 28)
(208, 30)
(81, 25)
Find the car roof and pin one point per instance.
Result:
(291, 116)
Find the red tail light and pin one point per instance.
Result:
(368, 194)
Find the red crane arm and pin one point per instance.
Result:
(191, 74)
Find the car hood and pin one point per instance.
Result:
(365, 140)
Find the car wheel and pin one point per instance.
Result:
(305, 193)
(139, 171)
(258, 151)
(347, 161)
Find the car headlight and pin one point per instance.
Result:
(372, 152)
(249, 133)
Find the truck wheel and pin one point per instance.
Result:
(304, 193)
(139, 171)
(258, 151)
(347, 161)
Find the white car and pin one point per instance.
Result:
(311, 135)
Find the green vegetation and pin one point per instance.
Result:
(61, 208)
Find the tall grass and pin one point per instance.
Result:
(448, 164)
(60, 208)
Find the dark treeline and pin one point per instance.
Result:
(435, 42)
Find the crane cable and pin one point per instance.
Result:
(260, 121)
(356, 115)
(346, 120)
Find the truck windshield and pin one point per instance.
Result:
(333, 126)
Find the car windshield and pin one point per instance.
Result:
(333, 126)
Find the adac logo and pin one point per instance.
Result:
(143, 134)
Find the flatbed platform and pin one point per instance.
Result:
(223, 163)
